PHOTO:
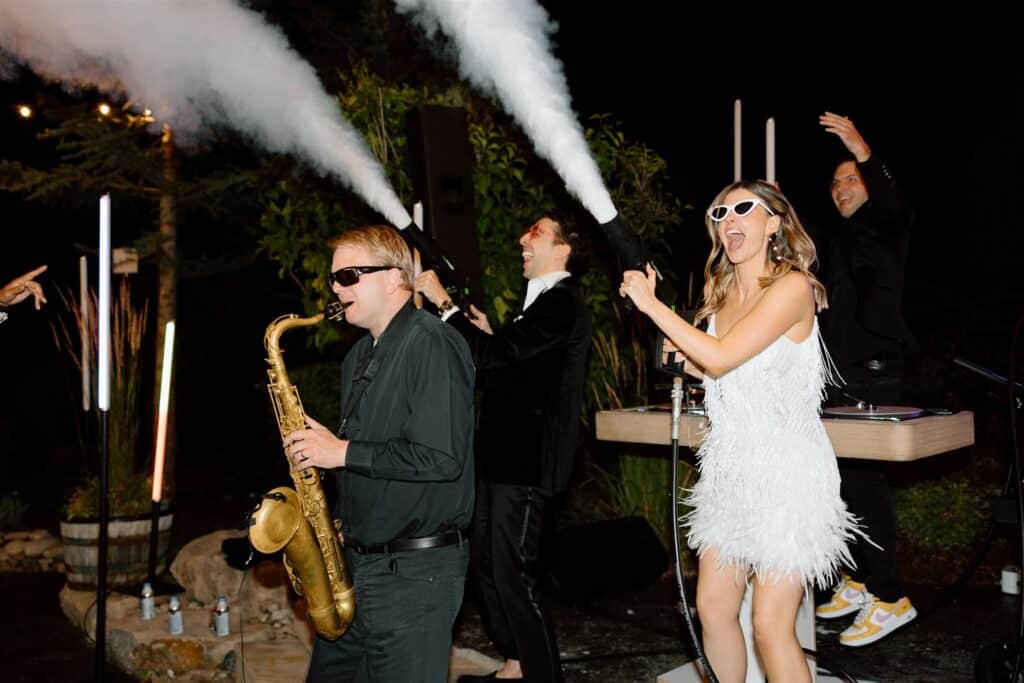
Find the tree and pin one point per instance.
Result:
(134, 158)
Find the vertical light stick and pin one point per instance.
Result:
(166, 371)
(83, 306)
(737, 140)
(103, 403)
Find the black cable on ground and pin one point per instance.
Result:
(85, 622)
(837, 673)
(1011, 392)
(241, 614)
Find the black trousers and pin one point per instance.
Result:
(405, 607)
(867, 493)
(506, 538)
(865, 488)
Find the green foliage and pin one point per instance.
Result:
(132, 157)
(318, 387)
(127, 496)
(618, 374)
(12, 512)
(302, 212)
(633, 484)
(508, 198)
(641, 486)
(945, 513)
(296, 225)
(636, 178)
(97, 154)
(512, 188)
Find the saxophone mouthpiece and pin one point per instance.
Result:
(336, 311)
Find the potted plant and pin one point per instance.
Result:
(129, 476)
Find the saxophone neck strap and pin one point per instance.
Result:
(360, 383)
(373, 359)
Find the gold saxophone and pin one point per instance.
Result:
(298, 520)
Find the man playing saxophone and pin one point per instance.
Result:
(403, 465)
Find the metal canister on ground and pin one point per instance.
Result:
(148, 603)
(174, 616)
(220, 622)
(1010, 580)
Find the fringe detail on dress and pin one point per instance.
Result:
(767, 500)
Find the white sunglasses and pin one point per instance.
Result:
(743, 207)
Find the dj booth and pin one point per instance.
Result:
(883, 433)
(878, 436)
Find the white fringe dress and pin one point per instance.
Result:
(767, 500)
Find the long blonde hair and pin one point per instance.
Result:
(792, 244)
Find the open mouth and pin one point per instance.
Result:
(734, 239)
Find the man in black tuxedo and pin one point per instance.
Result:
(869, 339)
(531, 373)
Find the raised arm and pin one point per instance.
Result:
(787, 302)
(882, 188)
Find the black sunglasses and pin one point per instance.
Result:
(346, 277)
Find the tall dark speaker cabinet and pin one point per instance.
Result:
(441, 161)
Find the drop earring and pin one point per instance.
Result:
(776, 254)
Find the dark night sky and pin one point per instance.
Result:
(938, 97)
(943, 113)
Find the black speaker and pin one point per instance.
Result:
(617, 554)
(441, 166)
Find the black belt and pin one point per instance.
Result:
(404, 544)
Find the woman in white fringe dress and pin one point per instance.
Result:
(767, 507)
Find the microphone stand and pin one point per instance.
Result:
(677, 410)
(1014, 389)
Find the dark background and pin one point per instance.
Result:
(937, 97)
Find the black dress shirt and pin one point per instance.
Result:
(409, 467)
(866, 273)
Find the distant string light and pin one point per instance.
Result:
(103, 109)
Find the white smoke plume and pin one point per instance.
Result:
(504, 48)
(197, 63)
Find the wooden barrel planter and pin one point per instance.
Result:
(127, 549)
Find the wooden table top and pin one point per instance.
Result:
(907, 440)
